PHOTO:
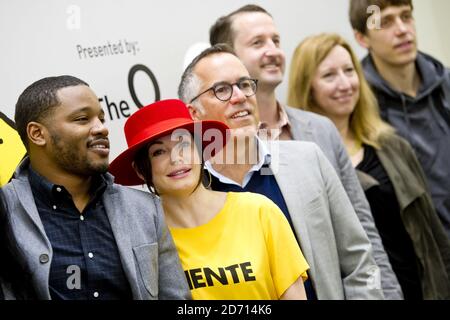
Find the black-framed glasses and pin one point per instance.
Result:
(224, 90)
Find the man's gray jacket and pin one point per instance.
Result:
(331, 237)
(308, 126)
(149, 257)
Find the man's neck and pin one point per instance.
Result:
(238, 157)
(78, 186)
(404, 78)
(267, 106)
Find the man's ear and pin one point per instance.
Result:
(37, 133)
(362, 39)
(194, 111)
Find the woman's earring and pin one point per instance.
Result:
(210, 180)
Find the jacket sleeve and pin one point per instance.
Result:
(360, 274)
(389, 282)
(172, 281)
(439, 232)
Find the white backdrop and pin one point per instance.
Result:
(52, 37)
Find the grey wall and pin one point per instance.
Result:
(40, 38)
(433, 26)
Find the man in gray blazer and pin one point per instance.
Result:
(295, 175)
(80, 235)
(251, 32)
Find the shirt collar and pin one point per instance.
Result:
(264, 157)
(49, 191)
(283, 124)
(40, 186)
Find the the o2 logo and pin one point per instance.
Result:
(154, 82)
(121, 109)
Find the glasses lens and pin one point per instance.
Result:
(248, 87)
(223, 91)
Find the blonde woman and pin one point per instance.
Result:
(326, 77)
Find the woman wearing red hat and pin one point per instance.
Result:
(231, 245)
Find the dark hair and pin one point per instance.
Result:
(359, 13)
(221, 31)
(185, 89)
(36, 102)
(144, 166)
(15, 276)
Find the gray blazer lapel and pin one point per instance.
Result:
(30, 234)
(26, 199)
(119, 225)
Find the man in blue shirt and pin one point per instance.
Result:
(252, 33)
(84, 237)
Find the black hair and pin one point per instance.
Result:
(144, 167)
(359, 14)
(36, 102)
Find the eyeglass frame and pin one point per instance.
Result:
(255, 81)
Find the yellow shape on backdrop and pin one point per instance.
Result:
(12, 149)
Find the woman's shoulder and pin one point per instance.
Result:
(396, 143)
(250, 199)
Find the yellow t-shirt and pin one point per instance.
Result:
(246, 252)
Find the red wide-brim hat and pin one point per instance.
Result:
(155, 121)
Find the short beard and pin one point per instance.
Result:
(71, 160)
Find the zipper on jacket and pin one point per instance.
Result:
(406, 116)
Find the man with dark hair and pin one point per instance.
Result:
(295, 175)
(83, 236)
(412, 88)
(251, 32)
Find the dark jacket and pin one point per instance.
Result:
(431, 245)
(308, 126)
(424, 121)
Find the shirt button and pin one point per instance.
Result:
(90, 255)
(55, 207)
(82, 218)
(44, 258)
(96, 294)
